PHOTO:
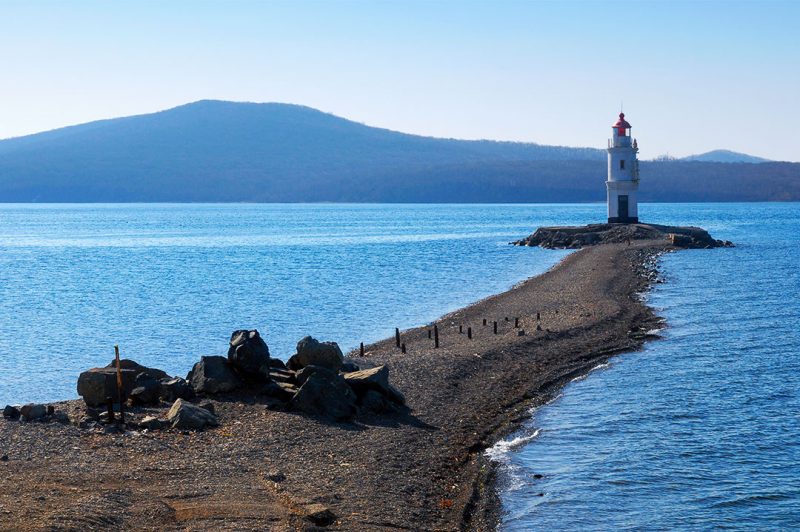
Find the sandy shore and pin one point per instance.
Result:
(265, 469)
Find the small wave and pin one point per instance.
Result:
(750, 500)
(499, 451)
(603, 365)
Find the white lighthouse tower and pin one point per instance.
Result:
(623, 174)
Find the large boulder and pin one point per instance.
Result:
(186, 416)
(326, 394)
(248, 355)
(96, 384)
(213, 375)
(376, 379)
(175, 388)
(311, 352)
(126, 363)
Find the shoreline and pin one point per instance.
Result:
(423, 470)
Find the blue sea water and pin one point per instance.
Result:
(699, 430)
(169, 283)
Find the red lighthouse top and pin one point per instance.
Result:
(621, 125)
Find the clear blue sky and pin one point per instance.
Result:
(694, 76)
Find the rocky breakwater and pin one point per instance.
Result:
(317, 381)
(576, 237)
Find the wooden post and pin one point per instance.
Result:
(507, 318)
(397, 336)
(484, 321)
(460, 329)
(361, 349)
(436, 336)
(538, 317)
(403, 347)
(516, 323)
(119, 385)
(495, 327)
(429, 334)
(469, 333)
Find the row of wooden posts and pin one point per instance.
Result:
(434, 333)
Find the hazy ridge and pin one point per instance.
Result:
(225, 151)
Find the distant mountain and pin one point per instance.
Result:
(224, 151)
(725, 156)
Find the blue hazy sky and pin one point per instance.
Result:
(694, 76)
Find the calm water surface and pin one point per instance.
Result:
(701, 430)
(170, 282)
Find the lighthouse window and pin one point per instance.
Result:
(622, 164)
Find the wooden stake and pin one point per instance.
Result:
(495, 327)
(469, 333)
(484, 321)
(516, 323)
(119, 385)
(460, 329)
(403, 348)
(397, 336)
(361, 349)
(435, 336)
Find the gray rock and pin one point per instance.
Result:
(11, 412)
(61, 417)
(248, 355)
(281, 375)
(319, 515)
(277, 363)
(126, 363)
(276, 476)
(396, 395)
(312, 352)
(96, 384)
(174, 388)
(302, 376)
(213, 375)
(326, 394)
(349, 367)
(186, 416)
(208, 405)
(283, 391)
(146, 390)
(153, 423)
(32, 412)
(376, 379)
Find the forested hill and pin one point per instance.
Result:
(225, 151)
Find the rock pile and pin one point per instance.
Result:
(594, 234)
(34, 412)
(316, 381)
(140, 385)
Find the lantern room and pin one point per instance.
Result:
(621, 132)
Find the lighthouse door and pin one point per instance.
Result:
(622, 210)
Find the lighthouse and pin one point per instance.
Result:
(623, 174)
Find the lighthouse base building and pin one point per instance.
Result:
(623, 174)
